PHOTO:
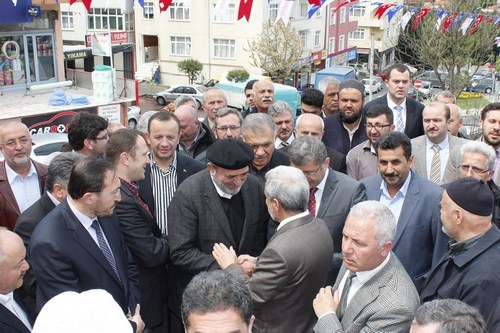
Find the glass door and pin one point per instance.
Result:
(40, 51)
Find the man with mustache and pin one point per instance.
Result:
(414, 201)
(222, 204)
(432, 150)
(407, 112)
(283, 119)
(263, 91)
(346, 129)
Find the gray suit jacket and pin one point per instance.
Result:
(418, 148)
(196, 221)
(289, 273)
(341, 192)
(385, 303)
(419, 242)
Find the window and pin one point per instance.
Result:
(342, 14)
(357, 11)
(303, 9)
(178, 12)
(316, 37)
(341, 42)
(180, 46)
(224, 48)
(303, 35)
(331, 45)
(67, 20)
(273, 12)
(105, 19)
(228, 16)
(357, 34)
(129, 22)
(333, 16)
(148, 11)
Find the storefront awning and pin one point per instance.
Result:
(72, 52)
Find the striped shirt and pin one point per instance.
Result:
(163, 185)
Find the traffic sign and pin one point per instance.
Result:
(418, 84)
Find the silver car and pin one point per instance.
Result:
(166, 96)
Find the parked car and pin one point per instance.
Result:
(166, 96)
(45, 144)
(380, 80)
(374, 86)
(485, 85)
(416, 94)
(434, 79)
(134, 113)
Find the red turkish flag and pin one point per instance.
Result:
(382, 9)
(71, 2)
(315, 2)
(476, 23)
(449, 20)
(164, 4)
(245, 9)
(87, 4)
(343, 4)
(419, 18)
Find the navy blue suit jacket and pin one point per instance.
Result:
(64, 257)
(414, 123)
(336, 135)
(9, 323)
(419, 242)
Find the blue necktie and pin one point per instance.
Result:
(104, 247)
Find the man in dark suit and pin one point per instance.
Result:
(168, 169)
(407, 112)
(346, 129)
(414, 201)
(470, 271)
(14, 318)
(22, 180)
(78, 246)
(331, 193)
(195, 136)
(295, 262)
(128, 151)
(312, 125)
(224, 204)
(373, 293)
(56, 187)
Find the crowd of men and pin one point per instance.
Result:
(352, 217)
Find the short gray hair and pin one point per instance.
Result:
(224, 112)
(289, 186)
(477, 147)
(218, 89)
(451, 315)
(378, 214)
(446, 94)
(216, 291)
(327, 83)
(184, 99)
(307, 149)
(60, 168)
(257, 123)
(279, 108)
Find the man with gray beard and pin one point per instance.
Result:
(346, 129)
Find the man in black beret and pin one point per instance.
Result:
(470, 271)
(222, 204)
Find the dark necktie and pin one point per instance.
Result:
(345, 293)
(311, 206)
(104, 247)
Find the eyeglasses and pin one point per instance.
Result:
(104, 137)
(378, 127)
(13, 142)
(473, 169)
(311, 173)
(226, 128)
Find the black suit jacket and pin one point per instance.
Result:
(25, 225)
(64, 257)
(414, 123)
(149, 250)
(336, 135)
(9, 323)
(186, 166)
(337, 159)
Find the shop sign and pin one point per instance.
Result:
(53, 122)
(117, 37)
(316, 57)
(342, 57)
(101, 45)
(34, 11)
(110, 112)
(75, 55)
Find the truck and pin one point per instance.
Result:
(341, 73)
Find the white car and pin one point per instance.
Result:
(374, 86)
(45, 144)
(134, 113)
(166, 96)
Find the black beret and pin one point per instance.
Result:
(230, 154)
(354, 84)
(473, 195)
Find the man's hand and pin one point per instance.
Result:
(247, 263)
(137, 319)
(223, 255)
(326, 301)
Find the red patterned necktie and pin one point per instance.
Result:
(311, 206)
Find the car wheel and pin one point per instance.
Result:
(132, 123)
(487, 90)
(161, 100)
(198, 103)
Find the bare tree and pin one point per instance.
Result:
(453, 50)
(277, 49)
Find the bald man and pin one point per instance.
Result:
(196, 137)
